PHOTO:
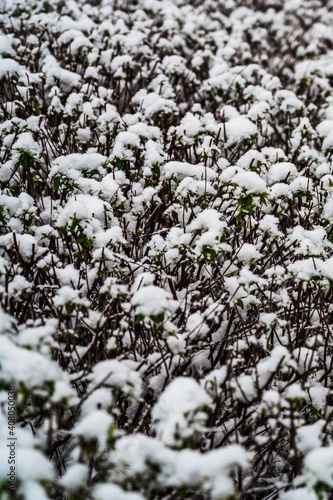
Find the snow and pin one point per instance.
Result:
(246, 386)
(190, 126)
(6, 42)
(306, 358)
(114, 374)
(250, 182)
(279, 190)
(196, 325)
(99, 399)
(152, 104)
(281, 171)
(33, 490)
(18, 286)
(238, 128)
(268, 224)
(267, 319)
(176, 345)
(299, 493)
(53, 71)
(106, 491)
(248, 253)
(112, 236)
(311, 242)
(208, 221)
(34, 466)
(94, 426)
(26, 144)
(73, 162)
(181, 170)
(319, 466)
(181, 397)
(294, 392)
(183, 467)
(318, 395)
(8, 66)
(75, 476)
(66, 295)
(38, 335)
(152, 301)
(215, 378)
(328, 209)
(308, 436)
(301, 183)
(20, 365)
(166, 250)
(83, 207)
(122, 145)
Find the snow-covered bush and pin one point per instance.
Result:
(166, 249)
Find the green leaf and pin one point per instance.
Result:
(68, 308)
(240, 303)
(158, 318)
(139, 318)
(15, 190)
(25, 161)
(319, 491)
(74, 224)
(81, 239)
(156, 170)
(56, 183)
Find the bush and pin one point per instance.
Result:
(166, 249)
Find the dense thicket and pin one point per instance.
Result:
(166, 248)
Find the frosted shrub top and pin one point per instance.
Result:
(166, 248)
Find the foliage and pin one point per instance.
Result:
(166, 248)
